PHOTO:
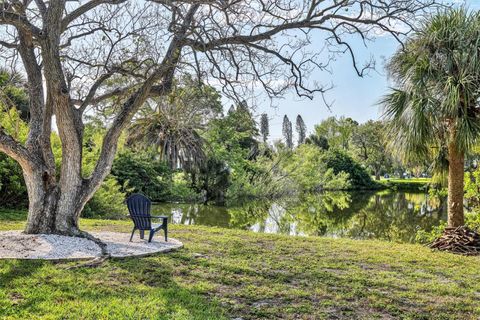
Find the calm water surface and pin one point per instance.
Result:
(386, 215)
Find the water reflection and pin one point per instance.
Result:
(387, 215)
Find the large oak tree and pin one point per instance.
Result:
(81, 55)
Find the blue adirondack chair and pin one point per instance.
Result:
(139, 208)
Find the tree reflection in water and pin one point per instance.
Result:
(387, 215)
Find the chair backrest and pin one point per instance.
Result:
(139, 208)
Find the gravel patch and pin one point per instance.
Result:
(17, 245)
(118, 244)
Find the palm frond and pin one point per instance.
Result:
(437, 76)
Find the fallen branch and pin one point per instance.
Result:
(460, 240)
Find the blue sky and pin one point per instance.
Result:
(353, 96)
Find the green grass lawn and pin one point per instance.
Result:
(224, 274)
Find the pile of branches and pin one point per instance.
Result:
(460, 240)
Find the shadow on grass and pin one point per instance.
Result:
(12, 270)
(157, 273)
(134, 288)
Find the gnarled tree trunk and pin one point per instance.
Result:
(54, 207)
(455, 186)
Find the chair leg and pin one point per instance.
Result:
(142, 234)
(131, 237)
(150, 236)
(165, 228)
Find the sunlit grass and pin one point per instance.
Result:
(412, 184)
(224, 273)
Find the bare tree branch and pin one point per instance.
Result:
(164, 73)
(89, 6)
(21, 22)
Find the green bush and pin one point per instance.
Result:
(214, 179)
(339, 161)
(309, 171)
(13, 192)
(181, 190)
(425, 237)
(108, 201)
(140, 172)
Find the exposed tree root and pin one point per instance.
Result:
(97, 261)
(461, 240)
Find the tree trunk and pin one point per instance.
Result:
(42, 204)
(46, 213)
(455, 186)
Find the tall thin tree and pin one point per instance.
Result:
(287, 132)
(301, 129)
(264, 127)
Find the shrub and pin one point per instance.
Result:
(338, 161)
(13, 192)
(180, 189)
(142, 173)
(307, 168)
(108, 201)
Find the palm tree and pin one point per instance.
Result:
(174, 124)
(176, 138)
(435, 107)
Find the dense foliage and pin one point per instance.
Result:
(142, 173)
(313, 170)
(340, 162)
(13, 192)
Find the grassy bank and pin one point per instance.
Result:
(223, 274)
(414, 184)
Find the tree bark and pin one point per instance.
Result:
(42, 200)
(47, 212)
(455, 186)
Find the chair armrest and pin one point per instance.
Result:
(165, 218)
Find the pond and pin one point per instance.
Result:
(386, 215)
